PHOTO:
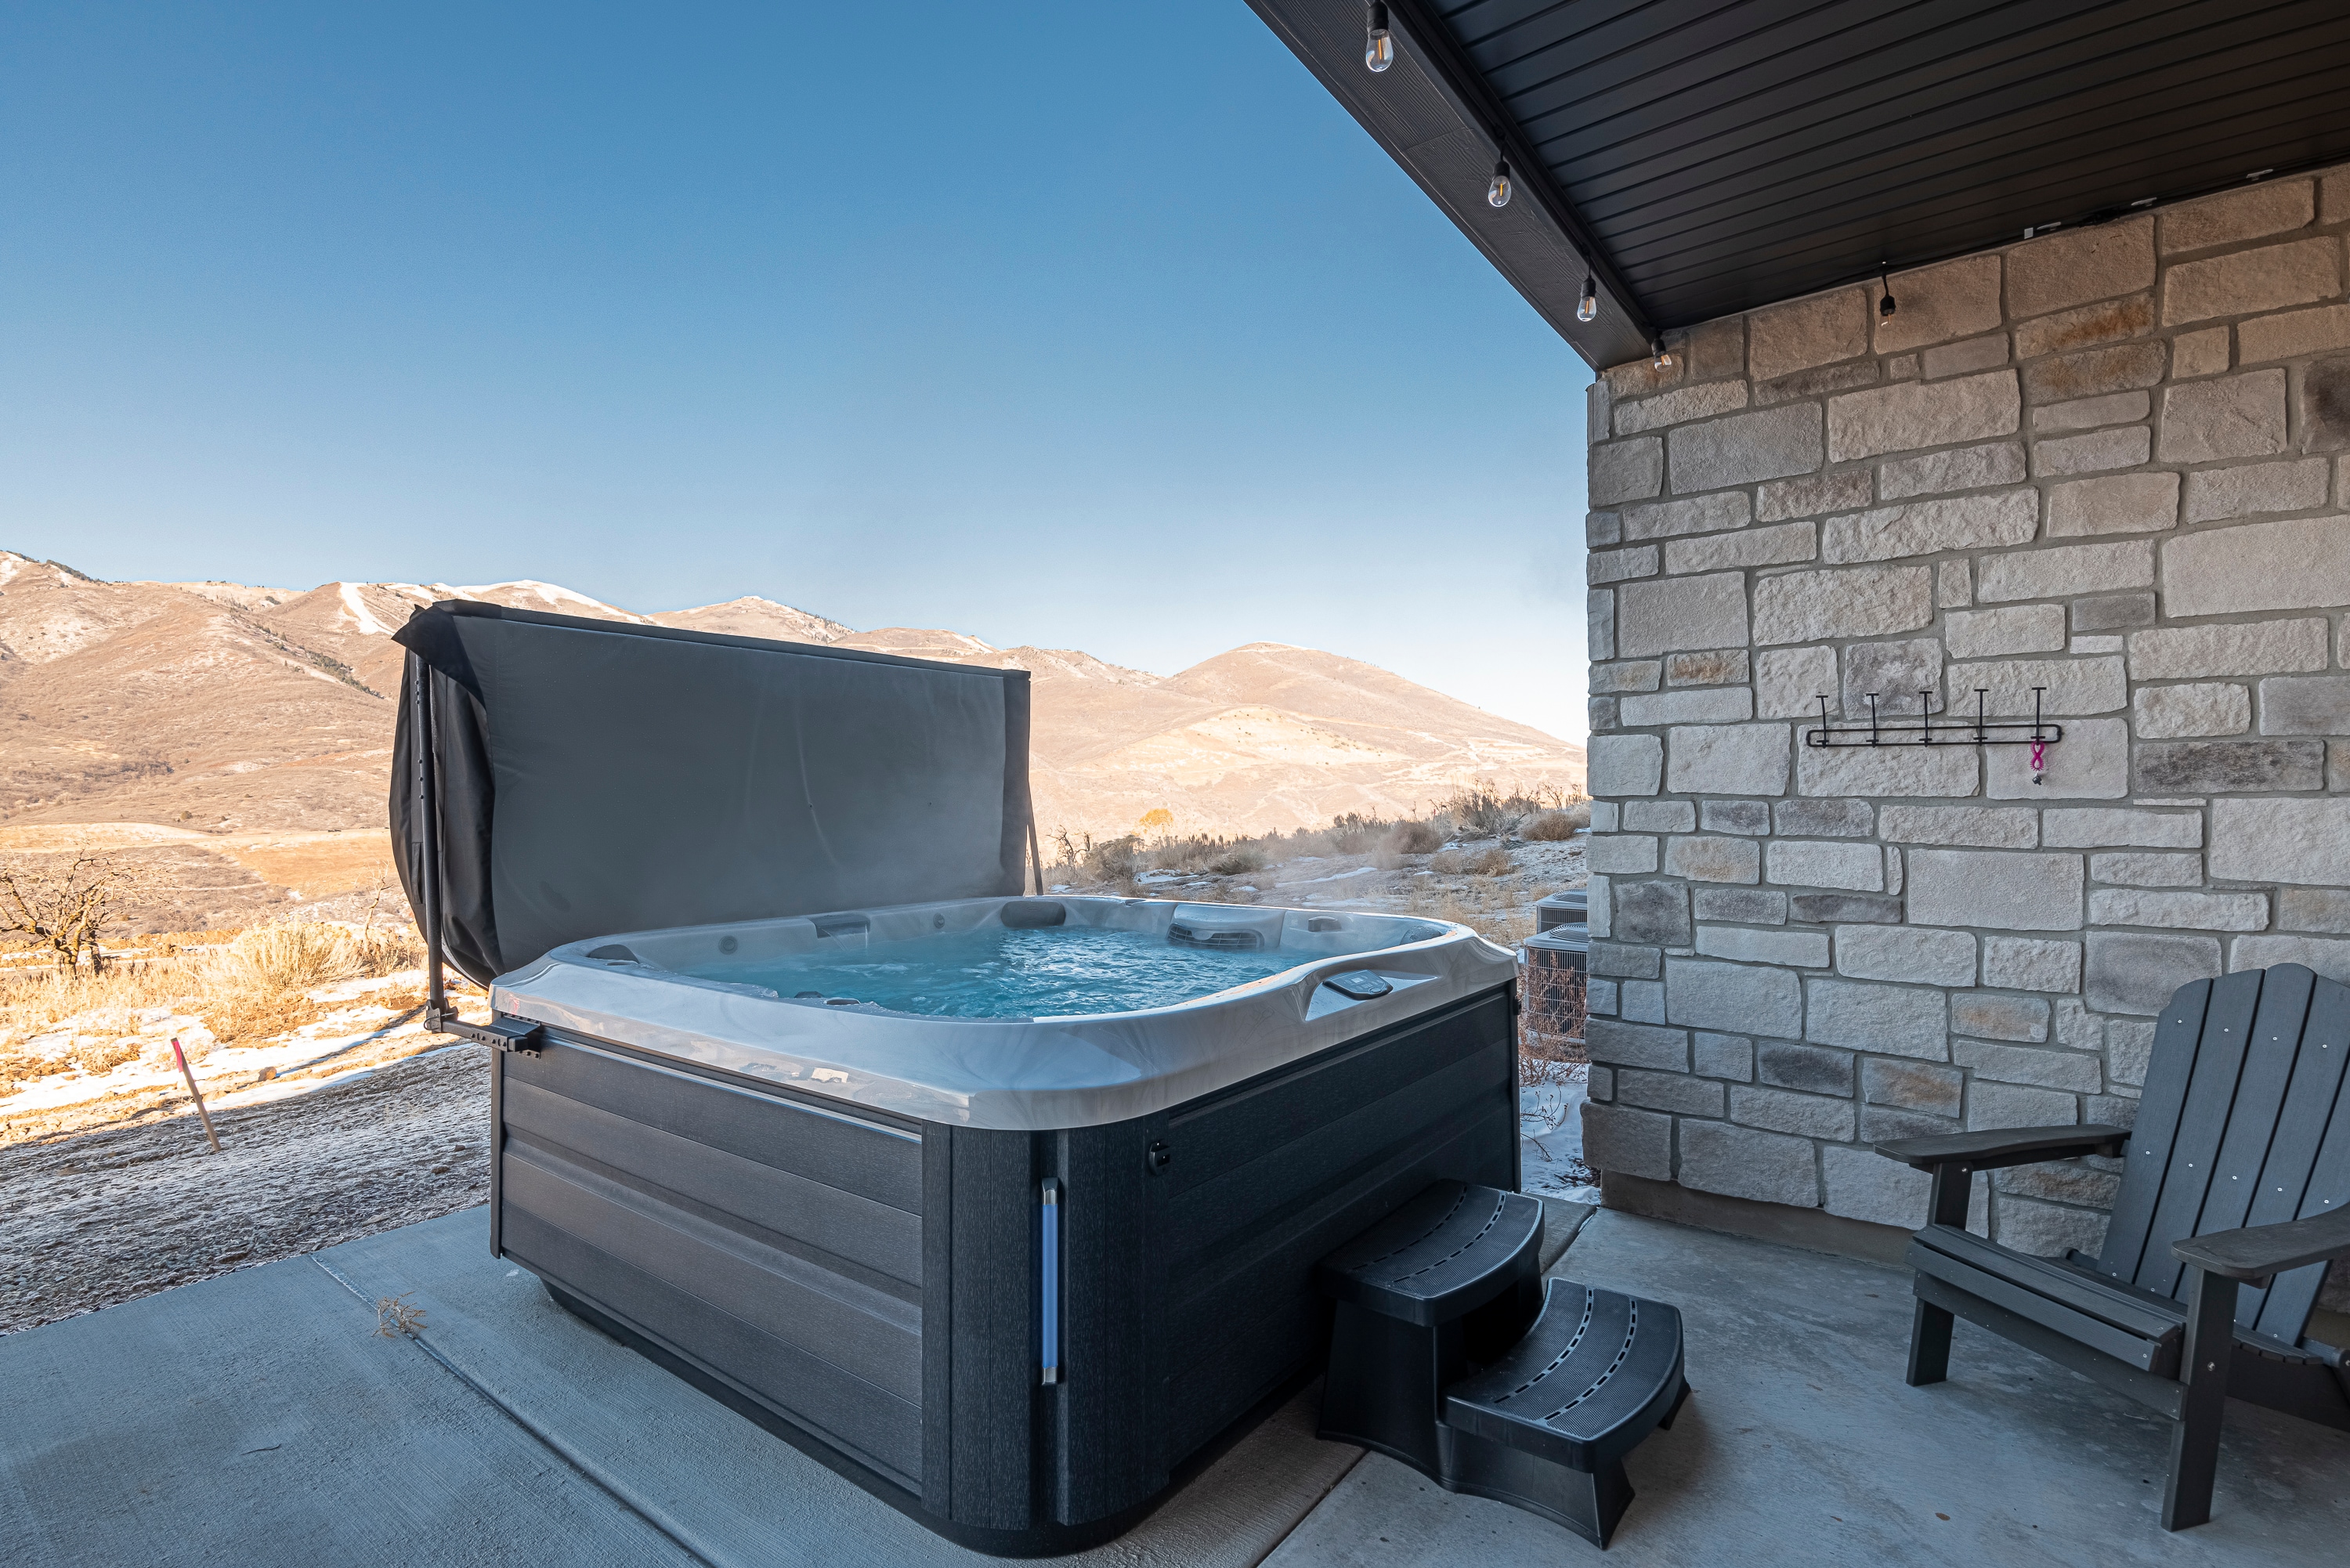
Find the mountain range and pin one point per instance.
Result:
(212, 708)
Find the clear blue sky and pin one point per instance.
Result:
(1085, 325)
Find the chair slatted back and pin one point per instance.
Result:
(2244, 1121)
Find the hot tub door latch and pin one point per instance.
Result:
(1159, 1158)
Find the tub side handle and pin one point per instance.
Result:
(1051, 1264)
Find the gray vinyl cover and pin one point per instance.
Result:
(597, 776)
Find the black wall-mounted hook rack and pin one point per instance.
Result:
(1981, 731)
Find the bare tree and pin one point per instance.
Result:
(64, 910)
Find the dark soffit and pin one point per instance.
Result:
(1709, 156)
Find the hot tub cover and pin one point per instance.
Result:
(599, 776)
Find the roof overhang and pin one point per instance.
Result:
(1703, 157)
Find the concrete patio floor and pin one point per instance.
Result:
(258, 1418)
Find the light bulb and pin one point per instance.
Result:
(1587, 308)
(1498, 193)
(1663, 361)
(1885, 308)
(1378, 45)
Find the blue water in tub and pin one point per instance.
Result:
(994, 973)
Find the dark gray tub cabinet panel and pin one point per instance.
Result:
(870, 1289)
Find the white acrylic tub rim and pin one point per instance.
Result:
(1022, 1074)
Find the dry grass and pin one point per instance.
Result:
(1557, 826)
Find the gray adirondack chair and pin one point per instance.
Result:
(2235, 1194)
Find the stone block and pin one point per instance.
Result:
(1652, 913)
(2129, 1050)
(1628, 1142)
(1769, 444)
(1626, 470)
(1969, 826)
(1905, 953)
(1889, 1020)
(2125, 446)
(1621, 854)
(2247, 283)
(2096, 372)
(1599, 623)
(2306, 842)
(2076, 267)
(2086, 327)
(1703, 705)
(1626, 764)
(2204, 708)
(2066, 571)
(1603, 714)
(2112, 612)
(1965, 358)
(2314, 910)
(2204, 353)
(2330, 959)
(1999, 1017)
(1954, 584)
(2089, 413)
(1601, 998)
(1641, 1001)
(1669, 1092)
(1811, 496)
(1859, 867)
(1704, 994)
(1712, 667)
(1638, 675)
(1955, 299)
(2068, 1181)
(1658, 816)
(2303, 563)
(1938, 472)
(2325, 406)
(1943, 771)
(1678, 615)
(1996, 889)
(1913, 414)
(1741, 1162)
(2268, 647)
(2030, 964)
(1753, 906)
(1900, 675)
(1912, 1086)
(2232, 416)
(1825, 819)
(1818, 383)
(2219, 767)
(2092, 763)
(1993, 1104)
(1929, 527)
(1806, 1116)
(1881, 1123)
(2180, 911)
(1624, 960)
(2274, 208)
(2074, 686)
(1777, 546)
(2090, 828)
(1725, 1055)
(1748, 816)
(1714, 860)
(1698, 514)
(1993, 633)
(1804, 949)
(1618, 566)
(1814, 1069)
(2047, 1230)
(1680, 406)
(1788, 681)
(1858, 601)
(1620, 1044)
(2117, 503)
(1599, 1084)
(1861, 1184)
(2215, 494)
(1806, 333)
(2148, 868)
(2130, 971)
(1727, 759)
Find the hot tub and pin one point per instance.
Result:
(1004, 1208)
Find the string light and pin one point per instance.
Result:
(1379, 45)
(1663, 361)
(1498, 193)
(1885, 308)
(1587, 308)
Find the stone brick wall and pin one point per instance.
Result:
(2101, 461)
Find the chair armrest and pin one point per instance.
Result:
(2258, 1252)
(2005, 1146)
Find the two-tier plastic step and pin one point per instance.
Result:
(1446, 1354)
(1450, 1279)
(1546, 1427)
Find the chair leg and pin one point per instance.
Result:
(2203, 1363)
(1929, 1345)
